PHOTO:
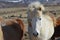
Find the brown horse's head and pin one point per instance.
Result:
(15, 25)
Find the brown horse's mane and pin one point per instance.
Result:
(58, 21)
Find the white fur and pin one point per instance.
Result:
(44, 27)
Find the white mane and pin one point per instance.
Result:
(36, 5)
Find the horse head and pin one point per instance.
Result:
(35, 10)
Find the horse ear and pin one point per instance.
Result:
(42, 7)
(20, 22)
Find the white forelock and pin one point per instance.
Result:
(36, 4)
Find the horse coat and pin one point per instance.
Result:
(11, 29)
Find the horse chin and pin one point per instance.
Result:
(36, 37)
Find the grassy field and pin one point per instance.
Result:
(21, 12)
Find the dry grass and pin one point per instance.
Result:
(5, 12)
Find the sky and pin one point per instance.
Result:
(20, 0)
(10, 0)
(13, 0)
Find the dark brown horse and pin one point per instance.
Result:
(11, 29)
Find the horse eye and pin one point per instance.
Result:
(39, 9)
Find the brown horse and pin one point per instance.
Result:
(11, 29)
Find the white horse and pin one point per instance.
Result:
(40, 25)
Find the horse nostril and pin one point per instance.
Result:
(35, 34)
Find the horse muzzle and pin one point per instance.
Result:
(35, 34)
